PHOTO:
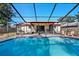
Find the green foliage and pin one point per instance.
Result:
(67, 19)
(70, 18)
(7, 10)
(77, 16)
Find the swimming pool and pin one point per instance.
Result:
(40, 46)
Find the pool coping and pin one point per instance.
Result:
(71, 37)
(10, 38)
(46, 35)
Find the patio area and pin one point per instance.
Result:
(40, 23)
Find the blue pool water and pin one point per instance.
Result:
(40, 46)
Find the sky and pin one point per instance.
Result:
(42, 9)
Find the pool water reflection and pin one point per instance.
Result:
(40, 46)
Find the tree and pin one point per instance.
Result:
(77, 16)
(7, 10)
(67, 19)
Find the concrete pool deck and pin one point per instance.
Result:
(37, 35)
(45, 35)
(34, 35)
(7, 36)
(4, 39)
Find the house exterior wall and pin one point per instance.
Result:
(25, 28)
(70, 31)
(57, 29)
(41, 24)
(46, 25)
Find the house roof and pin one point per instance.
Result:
(23, 24)
(56, 24)
(29, 23)
(49, 23)
(43, 22)
(74, 24)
